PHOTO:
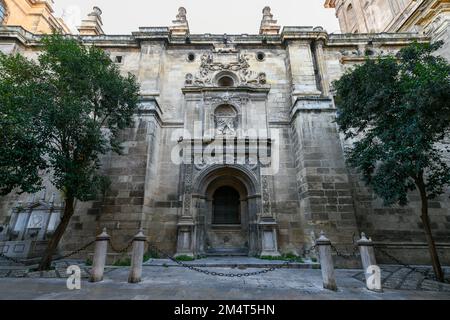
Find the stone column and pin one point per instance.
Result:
(326, 262)
(369, 264)
(149, 67)
(186, 224)
(137, 257)
(101, 248)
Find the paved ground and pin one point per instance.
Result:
(171, 282)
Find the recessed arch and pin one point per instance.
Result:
(226, 109)
(226, 79)
(237, 172)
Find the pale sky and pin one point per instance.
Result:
(204, 16)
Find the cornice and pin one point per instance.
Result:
(160, 34)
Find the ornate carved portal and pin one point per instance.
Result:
(201, 232)
(229, 100)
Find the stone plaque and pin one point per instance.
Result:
(37, 220)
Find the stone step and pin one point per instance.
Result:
(226, 254)
(234, 262)
(242, 252)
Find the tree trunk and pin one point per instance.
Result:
(46, 261)
(427, 228)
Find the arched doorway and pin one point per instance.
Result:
(226, 214)
(223, 218)
(226, 206)
(227, 202)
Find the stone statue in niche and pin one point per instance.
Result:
(189, 79)
(262, 78)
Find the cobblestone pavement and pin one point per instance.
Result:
(179, 283)
(401, 278)
(393, 276)
(18, 271)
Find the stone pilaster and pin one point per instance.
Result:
(321, 66)
(302, 69)
(324, 190)
(150, 64)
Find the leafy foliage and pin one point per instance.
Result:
(397, 111)
(59, 114)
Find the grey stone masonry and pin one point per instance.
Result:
(266, 99)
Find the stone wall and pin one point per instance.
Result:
(312, 190)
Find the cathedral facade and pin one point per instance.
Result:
(234, 149)
(427, 17)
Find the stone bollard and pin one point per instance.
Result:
(137, 258)
(371, 270)
(101, 248)
(326, 262)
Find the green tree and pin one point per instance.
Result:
(397, 111)
(58, 115)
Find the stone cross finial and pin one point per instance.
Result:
(268, 24)
(267, 15)
(92, 24)
(181, 16)
(180, 25)
(96, 11)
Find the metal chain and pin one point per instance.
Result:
(348, 256)
(11, 259)
(308, 251)
(213, 273)
(75, 251)
(125, 249)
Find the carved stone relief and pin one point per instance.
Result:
(225, 120)
(188, 178)
(209, 68)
